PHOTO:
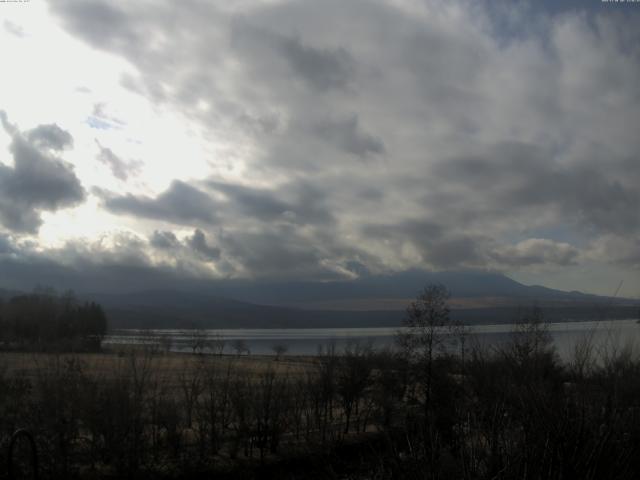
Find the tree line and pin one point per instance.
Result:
(436, 407)
(46, 320)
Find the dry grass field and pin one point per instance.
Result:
(140, 412)
(168, 366)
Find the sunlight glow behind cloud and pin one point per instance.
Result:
(320, 140)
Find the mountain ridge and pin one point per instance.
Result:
(477, 297)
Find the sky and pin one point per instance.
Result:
(327, 140)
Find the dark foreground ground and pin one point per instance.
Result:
(512, 413)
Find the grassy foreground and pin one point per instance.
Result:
(516, 412)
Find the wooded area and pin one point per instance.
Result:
(45, 321)
(513, 412)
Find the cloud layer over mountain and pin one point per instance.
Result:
(347, 138)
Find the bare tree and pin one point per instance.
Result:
(531, 338)
(323, 386)
(191, 384)
(426, 326)
(240, 346)
(218, 343)
(279, 349)
(216, 409)
(198, 340)
(353, 378)
(461, 333)
(166, 341)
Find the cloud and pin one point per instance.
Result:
(347, 135)
(279, 252)
(294, 203)
(38, 181)
(101, 23)
(519, 179)
(6, 245)
(442, 247)
(50, 136)
(115, 263)
(181, 203)
(454, 251)
(101, 120)
(163, 240)
(122, 261)
(13, 28)
(322, 68)
(537, 251)
(199, 243)
(492, 129)
(259, 203)
(121, 169)
(616, 250)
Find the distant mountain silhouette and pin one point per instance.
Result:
(7, 294)
(405, 284)
(256, 304)
(477, 297)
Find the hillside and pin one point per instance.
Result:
(477, 297)
(370, 301)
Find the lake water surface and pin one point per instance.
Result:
(604, 336)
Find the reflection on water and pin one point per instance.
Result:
(305, 341)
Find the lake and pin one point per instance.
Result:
(306, 341)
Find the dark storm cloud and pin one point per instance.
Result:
(369, 193)
(476, 251)
(321, 68)
(511, 184)
(420, 231)
(438, 244)
(120, 168)
(87, 269)
(443, 248)
(310, 204)
(453, 252)
(180, 203)
(6, 246)
(8, 126)
(50, 136)
(347, 135)
(37, 181)
(103, 24)
(514, 176)
(258, 203)
(296, 203)
(618, 249)
(123, 263)
(233, 205)
(198, 241)
(488, 127)
(285, 252)
(435, 242)
(277, 253)
(163, 240)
